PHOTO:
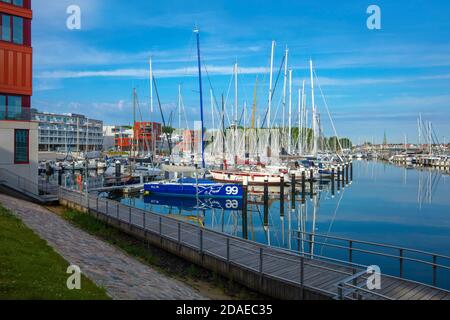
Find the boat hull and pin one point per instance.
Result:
(253, 178)
(192, 190)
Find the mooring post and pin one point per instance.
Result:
(282, 197)
(343, 176)
(311, 182)
(351, 171)
(303, 187)
(346, 173)
(338, 178)
(332, 182)
(244, 207)
(266, 201)
(293, 183)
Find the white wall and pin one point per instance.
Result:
(27, 171)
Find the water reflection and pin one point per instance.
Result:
(384, 203)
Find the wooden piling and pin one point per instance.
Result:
(282, 197)
(266, 201)
(293, 183)
(338, 178)
(303, 187)
(311, 182)
(244, 208)
(332, 182)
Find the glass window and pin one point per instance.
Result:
(2, 107)
(21, 146)
(18, 30)
(14, 107)
(6, 27)
(18, 3)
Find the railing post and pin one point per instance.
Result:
(261, 253)
(302, 275)
(96, 206)
(350, 251)
(228, 250)
(107, 209)
(160, 226)
(144, 221)
(117, 209)
(201, 240)
(179, 233)
(434, 271)
(401, 263)
(129, 215)
(340, 292)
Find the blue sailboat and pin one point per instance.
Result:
(186, 187)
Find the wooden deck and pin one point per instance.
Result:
(318, 276)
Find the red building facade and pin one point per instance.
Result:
(15, 59)
(147, 135)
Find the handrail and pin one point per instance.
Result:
(401, 257)
(40, 188)
(115, 210)
(373, 244)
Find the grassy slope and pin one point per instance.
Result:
(211, 284)
(30, 269)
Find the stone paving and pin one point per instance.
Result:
(122, 276)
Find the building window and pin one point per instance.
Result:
(5, 27)
(14, 108)
(15, 29)
(21, 146)
(18, 3)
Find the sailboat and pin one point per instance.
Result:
(194, 187)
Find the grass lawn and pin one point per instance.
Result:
(30, 269)
(209, 283)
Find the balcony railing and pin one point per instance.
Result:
(17, 113)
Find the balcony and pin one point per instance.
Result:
(16, 113)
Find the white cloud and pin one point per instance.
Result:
(144, 73)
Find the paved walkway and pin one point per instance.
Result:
(121, 275)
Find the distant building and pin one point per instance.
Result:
(18, 134)
(148, 136)
(117, 138)
(68, 132)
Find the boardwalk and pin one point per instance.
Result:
(288, 268)
(122, 276)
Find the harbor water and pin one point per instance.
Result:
(386, 204)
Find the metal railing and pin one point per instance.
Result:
(250, 255)
(402, 254)
(39, 188)
(350, 289)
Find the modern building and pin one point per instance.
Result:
(68, 132)
(117, 138)
(18, 134)
(147, 136)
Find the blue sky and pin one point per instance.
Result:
(372, 80)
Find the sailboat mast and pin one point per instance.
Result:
(201, 96)
(285, 86)
(151, 86)
(290, 112)
(302, 117)
(270, 85)
(235, 111)
(314, 124)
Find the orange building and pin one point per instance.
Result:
(18, 135)
(147, 134)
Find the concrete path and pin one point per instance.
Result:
(121, 275)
